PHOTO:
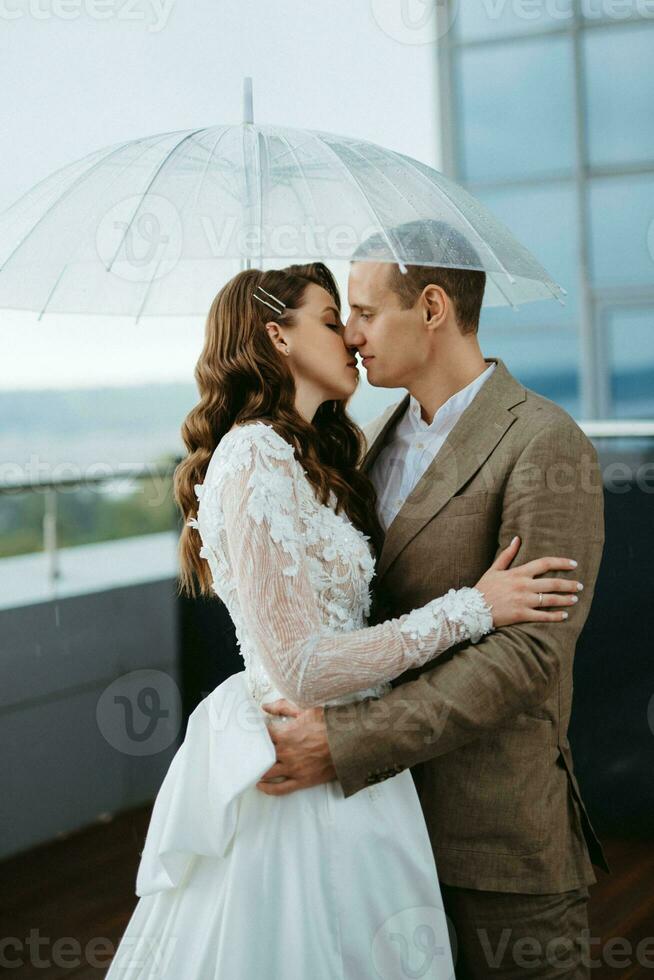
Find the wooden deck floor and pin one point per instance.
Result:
(80, 891)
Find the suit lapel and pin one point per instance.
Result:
(468, 446)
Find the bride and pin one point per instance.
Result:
(235, 884)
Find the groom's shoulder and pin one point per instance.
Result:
(540, 416)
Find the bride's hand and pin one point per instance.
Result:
(515, 593)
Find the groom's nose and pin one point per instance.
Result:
(351, 335)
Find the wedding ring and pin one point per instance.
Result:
(540, 598)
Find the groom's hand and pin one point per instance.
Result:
(303, 756)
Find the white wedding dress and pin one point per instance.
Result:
(237, 885)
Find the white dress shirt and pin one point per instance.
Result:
(412, 446)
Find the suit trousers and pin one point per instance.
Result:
(508, 935)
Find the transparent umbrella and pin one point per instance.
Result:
(155, 226)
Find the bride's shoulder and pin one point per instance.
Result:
(259, 434)
(254, 446)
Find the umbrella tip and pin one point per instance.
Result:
(248, 108)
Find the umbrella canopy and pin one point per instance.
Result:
(155, 226)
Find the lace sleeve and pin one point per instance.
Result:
(309, 662)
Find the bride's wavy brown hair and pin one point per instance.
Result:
(241, 377)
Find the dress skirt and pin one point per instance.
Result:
(237, 885)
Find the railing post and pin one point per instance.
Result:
(50, 534)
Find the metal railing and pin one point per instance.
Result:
(49, 488)
(618, 428)
(596, 429)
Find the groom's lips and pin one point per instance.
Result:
(365, 360)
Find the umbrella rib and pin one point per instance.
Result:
(502, 290)
(153, 276)
(293, 153)
(13, 213)
(143, 195)
(508, 274)
(556, 295)
(470, 225)
(223, 182)
(61, 198)
(76, 245)
(357, 184)
(383, 175)
(30, 190)
(224, 130)
(147, 291)
(52, 291)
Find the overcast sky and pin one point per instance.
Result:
(78, 75)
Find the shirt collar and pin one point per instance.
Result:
(455, 405)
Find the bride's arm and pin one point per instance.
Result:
(309, 662)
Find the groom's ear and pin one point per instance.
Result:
(435, 305)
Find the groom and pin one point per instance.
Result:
(465, 461)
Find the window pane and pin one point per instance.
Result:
(620, 94)
(494, 18)
(630, 343)
(545, 360)
(622, 230)
(515, 108)
(543, 218)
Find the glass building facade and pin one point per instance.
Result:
(547, 114)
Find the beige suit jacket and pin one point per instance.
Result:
(484, 727)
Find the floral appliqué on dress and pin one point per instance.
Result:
(295, 577)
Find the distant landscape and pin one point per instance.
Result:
(117, 426)
(139, 424)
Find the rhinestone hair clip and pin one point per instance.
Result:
(278, 302)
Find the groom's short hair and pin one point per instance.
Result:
(463, 283)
